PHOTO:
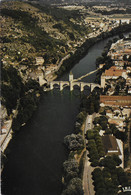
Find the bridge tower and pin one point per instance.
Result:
(70, 81)
(103, 80)
(70, 77)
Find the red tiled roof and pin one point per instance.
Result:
(113, 71)
(116, 100)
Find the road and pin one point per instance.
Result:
(89, 122)
(87, 177)
(4, 138)
(86, 75)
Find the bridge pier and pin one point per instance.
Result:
(71, 86)
(92, 87)
(51, 86)
(81, 87)
(61, 86)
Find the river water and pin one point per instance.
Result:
(37, 152)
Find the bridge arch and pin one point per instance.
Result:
(87, 87)
(65, 85)
(76, 85)
(56, 85)
(95, 86)
(84, 85)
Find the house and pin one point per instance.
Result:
(39, 61)
(119, 63)
(126, 112)
(125, 21)
(3, 129)
(112, 73)
(129, 90)
(110, 145)
(117, 122)
(109, 113)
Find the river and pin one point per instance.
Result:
(36, 153)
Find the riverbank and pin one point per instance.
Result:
(76, 143)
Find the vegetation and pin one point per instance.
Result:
(45, 30)
(80, 119)
(74, 142)
(18, 95)
(74, 187)
(72, 182)
(91, 104)
(95, 147)
(12, 87)
(26, 107)
(104, 183)
(102, 121)
(108, 179)
(114, 11)
(74, 166)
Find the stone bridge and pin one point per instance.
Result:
(71, 84)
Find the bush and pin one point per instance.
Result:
(117, 159)
(81, 117)
(27, 105)
(102, 121)
(74, 142)
(11, 92)
(74, 187)
(71, 169)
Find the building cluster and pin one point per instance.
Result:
(5, 131)
(116, 101)
(104, 24)
(120, 53)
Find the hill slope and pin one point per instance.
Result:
(34, 40)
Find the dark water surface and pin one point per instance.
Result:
(37, 152)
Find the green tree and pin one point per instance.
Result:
(117, 159)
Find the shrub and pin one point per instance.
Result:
(74, 142)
